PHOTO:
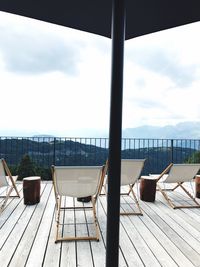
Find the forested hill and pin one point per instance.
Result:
(68, 152)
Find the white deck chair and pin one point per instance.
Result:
(7, 181)
(130, 173)
(73, 181)
(178, 174)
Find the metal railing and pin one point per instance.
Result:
(47, 151)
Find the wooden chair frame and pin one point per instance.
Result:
(179, 184)
(10, 187)
(59, 208)
(139, 212)
(130, 191)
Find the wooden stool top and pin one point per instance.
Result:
(32, 178)
(148, 177)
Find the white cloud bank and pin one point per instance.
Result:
(56, 80)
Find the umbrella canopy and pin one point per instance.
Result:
(142, 16)
(119, 19)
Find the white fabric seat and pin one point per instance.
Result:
(77, 181)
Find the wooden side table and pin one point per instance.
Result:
(31, 190)
(148, 188)
(197, 186)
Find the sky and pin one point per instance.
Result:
(56, 80)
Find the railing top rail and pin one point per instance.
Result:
(126, 138)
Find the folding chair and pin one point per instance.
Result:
(130, 173)
(7, 181)
(178, 174)
(77, 182)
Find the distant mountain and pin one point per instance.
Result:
(43, 137)
(185, 130)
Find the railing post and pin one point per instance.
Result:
(172, 150)
(54, 151)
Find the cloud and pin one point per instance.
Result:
(148, 104)
(171, 54)
(29, 49)
(38, 56)
(164, 62)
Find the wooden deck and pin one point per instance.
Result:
(161, 237)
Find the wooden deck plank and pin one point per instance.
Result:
(68, 249)
(149, 234)
(177, 240)
(38, 249)
(13, 241)
(181, 228)
(10, 207)
(102, 222)
(151, 220)
(12, 218)
(159, 244)
(127, 248)
(23, 250)
(161, 237)
(180, 218)
(139, 243)
(84, 253)
(98, 248)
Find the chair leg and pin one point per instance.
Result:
(180, 206)
(95, 220)
(166, 196)
(11, 178)
(136, 202)
(103, 189)
(7, 197)
(58, 205)
(130, 189)
(188, 193)
(16, 190)
(178, 184)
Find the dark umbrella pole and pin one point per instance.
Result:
(114, 171)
